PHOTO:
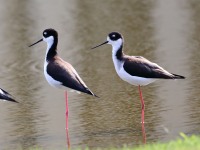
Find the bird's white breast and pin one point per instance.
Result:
(49, 79)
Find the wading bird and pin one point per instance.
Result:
(135, 70)
(58, 72)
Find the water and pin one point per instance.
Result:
(166, 32)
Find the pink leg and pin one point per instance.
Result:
(142, 103)
(67, 114)
(143, 134)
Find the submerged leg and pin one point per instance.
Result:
(67, 116)
(142, 103)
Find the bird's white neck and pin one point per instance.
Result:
(51, 50)
(117, 54)
(49, 41)
(116, 45)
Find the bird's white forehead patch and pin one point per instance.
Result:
(45, 33)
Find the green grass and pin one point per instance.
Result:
(184, 143)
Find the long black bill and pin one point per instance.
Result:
(100, 45)
(36, 42)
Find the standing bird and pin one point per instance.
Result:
(135, 70)
(58, 72)
(6, 96)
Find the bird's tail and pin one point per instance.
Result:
(6, 96)
(91, 93)
(10, 99)
(176, 76)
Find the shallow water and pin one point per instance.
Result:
(166, 32)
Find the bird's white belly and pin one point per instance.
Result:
(134, 80)
(50, 80)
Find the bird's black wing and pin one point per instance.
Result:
(141, 67)
(67, 75)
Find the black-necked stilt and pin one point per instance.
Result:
(6, 96)
(135, 70)
(59, 73)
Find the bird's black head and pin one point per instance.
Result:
(49, 35)
(50, 32)
(114, 36)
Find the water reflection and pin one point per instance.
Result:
(165, 32)
(193, 100)
(25, 117)
(172, 32)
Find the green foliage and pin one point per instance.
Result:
(183, 143)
